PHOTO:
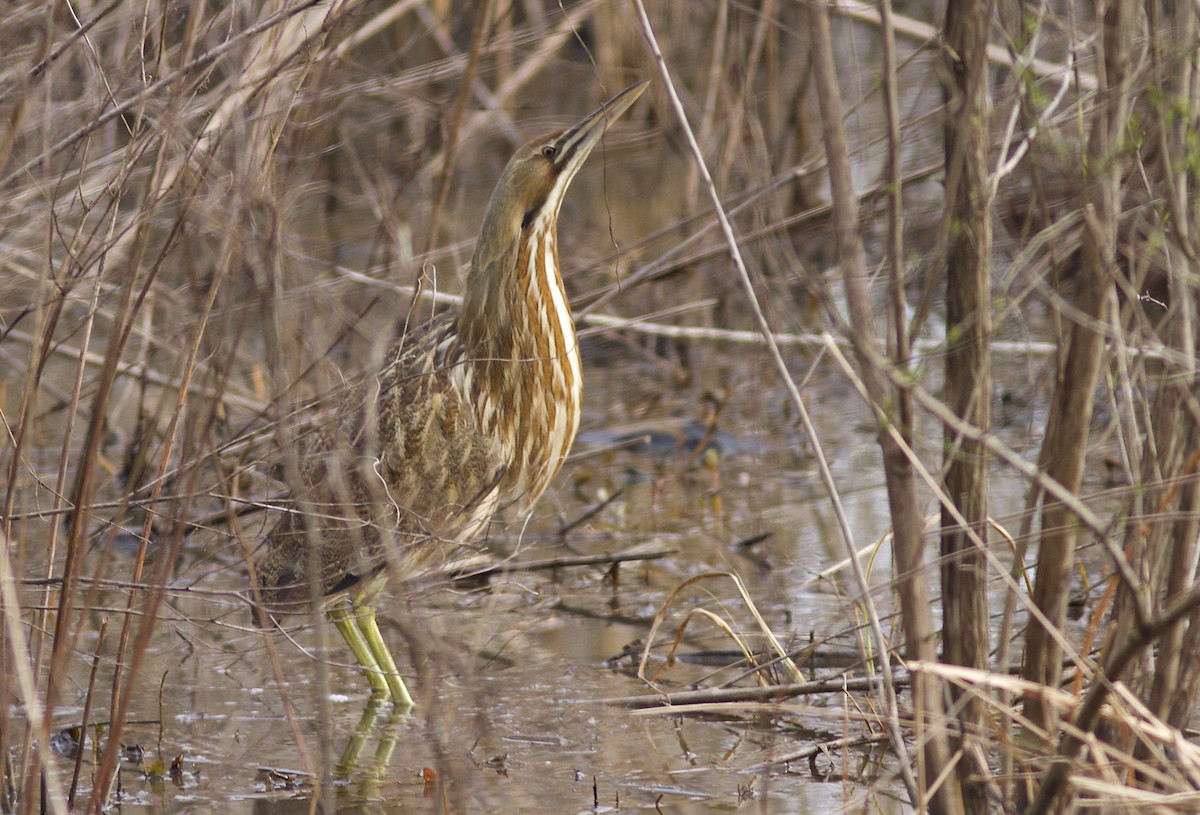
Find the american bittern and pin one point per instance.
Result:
(475, 413)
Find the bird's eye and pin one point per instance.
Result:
(549, 151)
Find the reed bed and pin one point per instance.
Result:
(215, 217)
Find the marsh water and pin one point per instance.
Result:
(523, 677)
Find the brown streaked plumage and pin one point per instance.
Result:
(475, 413)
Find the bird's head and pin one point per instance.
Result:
(532, 186)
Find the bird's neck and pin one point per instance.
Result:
(514, 296)
(523, 356)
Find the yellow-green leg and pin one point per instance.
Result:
(383, 656)
(343, 617)
(359, 629)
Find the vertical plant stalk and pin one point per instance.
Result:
(1177, 669)
(1065, 445)
(48, 309)
(119, 709)
(712, 92)
(131, 300)
(483, 16)
(118, 701)
(734, 147)
(892, 721)
(898, 340)
(38, 630)
(85, 721)
(968, 382)
(10, 611)
(273, 79)
(919, 631)
(576, 17)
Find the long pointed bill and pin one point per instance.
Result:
(575, 144)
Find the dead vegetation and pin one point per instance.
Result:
(214, 217)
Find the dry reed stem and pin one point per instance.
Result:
(548, 45)
(661, 615)
(936, 487)
(1167, 782)
(483, 13)
(26, 685)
